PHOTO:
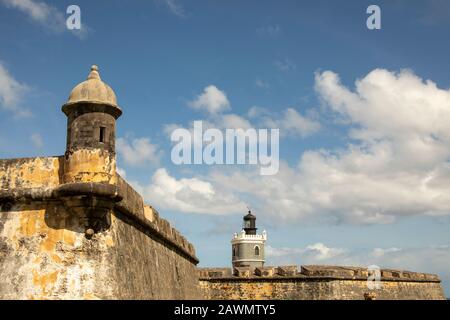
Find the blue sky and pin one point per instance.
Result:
(364, 137)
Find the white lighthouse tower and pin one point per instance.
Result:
(248, 246)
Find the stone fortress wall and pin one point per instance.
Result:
(315, 283)
(45, 254)
(72, 228)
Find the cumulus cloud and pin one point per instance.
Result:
(47, 16)
(395, 162)
(293, 123)
(138, 152)
(176, 8)
(311, 254)
(232, 121)
(257, 111)
(40, 12)
(211, 100)
(192, 195)
(215, 102)
(322, 252)
(290, 123)
(220, 121)
(11, 93)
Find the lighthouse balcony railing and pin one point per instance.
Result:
(243, 235)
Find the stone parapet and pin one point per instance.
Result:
(316, 283)
(311, 272)
(133, 205)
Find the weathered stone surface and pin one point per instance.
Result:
(41, 172)
(146, 268)
(242, 272)
(85, 165)
(93, 89)
(286, 270)
(45, 254)
(315, 282)
(265, 272)
(215, 272)
(72, 228)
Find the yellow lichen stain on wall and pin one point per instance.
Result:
(86, 165)
(32, 173)
(244, 290)
(90, 296)
(32, 222)
(51, 260)
(45, 281)
(301, 288)
(56, 258)
(264, 290)
(37, 260)
(41, 172)
(51, 238)
(149, 213)
(109, 241)
(28, 222)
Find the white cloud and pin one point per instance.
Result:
(215, 101)
(192, 195)
(322, 252)
(138, 152)
(11, 93)
(219, 121)
(256, 111)
(402, 125)
(211, 100)
(314, 253)
(36, 139)
(285, 65)
(48, 16)
(380, 252)
(170, 127)
(37, 10)
(394, 165)
(261, 83)
(197, 140)
(176, 8)
(293, 123)
(121, 172)
(232, 121)
(40, 12)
